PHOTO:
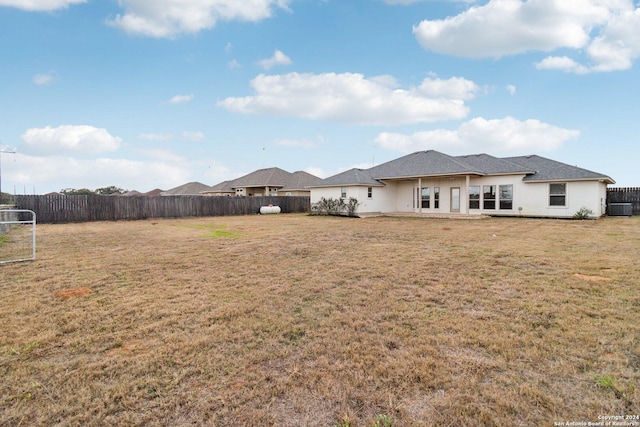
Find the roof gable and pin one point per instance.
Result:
(299, 180)
(271, 177)
(423, 163)
(353, 176)
(188, 189)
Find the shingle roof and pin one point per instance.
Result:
(188, 189)
(490, 165)
(154, 192)
(351, 177)
(434, 163)
(271, 177)
(423, 163)
(299, 180)
(550, 170)
(223, 187)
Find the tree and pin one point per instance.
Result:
(112, 189)
(74, 192)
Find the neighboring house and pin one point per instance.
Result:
(222, 189)
(297, 184)
(265, 182)
(189, 189)
(152, 193)
(433, 182)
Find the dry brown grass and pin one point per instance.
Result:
(294, 320)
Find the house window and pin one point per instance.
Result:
(436, 197)
(506, 197)
(489, 196)
(426, 196)
(557, 194)
(343, 192)
(474, 197)
(369, 192)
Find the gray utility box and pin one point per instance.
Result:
(620, 209)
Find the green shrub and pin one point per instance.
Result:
(583, 213)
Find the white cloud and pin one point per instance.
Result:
(352, 98)
(180, 99)
(167, 18)
(386, 80)
(506, 135)
(156, 136)
(193, 136)
(55, 173)
(42, 79)
(40, 5)
(511, 89)
(234, 64)
(80, 139)
(605, 29)
(563, 63)
(278, 58)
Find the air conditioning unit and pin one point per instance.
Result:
(620, 209)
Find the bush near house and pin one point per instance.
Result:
(333, 206)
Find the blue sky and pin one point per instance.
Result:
(146, 94)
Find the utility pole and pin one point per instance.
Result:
(8, 152)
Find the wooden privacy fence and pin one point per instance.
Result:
(53, 209)
(625, 195)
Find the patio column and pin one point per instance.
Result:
(419, 195)
(466, 195)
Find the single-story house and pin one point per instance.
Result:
(222, 189)
(265, 182)
(432, 182)
(189, 189)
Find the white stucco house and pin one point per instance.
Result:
(432, 182)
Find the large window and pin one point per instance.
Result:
(474, 197)
(436, 197)
(506, 197)
(343, 192)
(426, 197)
(557, 194)
(489, 196)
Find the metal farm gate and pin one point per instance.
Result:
(17, 235)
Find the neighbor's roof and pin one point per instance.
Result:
(154, 192)
(223, 187)
(550, 170)
(433, 163)
(189, 189)
(271, 177)
(299, 180)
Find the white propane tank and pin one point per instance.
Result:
(270, 210)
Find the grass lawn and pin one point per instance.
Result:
(292, 320)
